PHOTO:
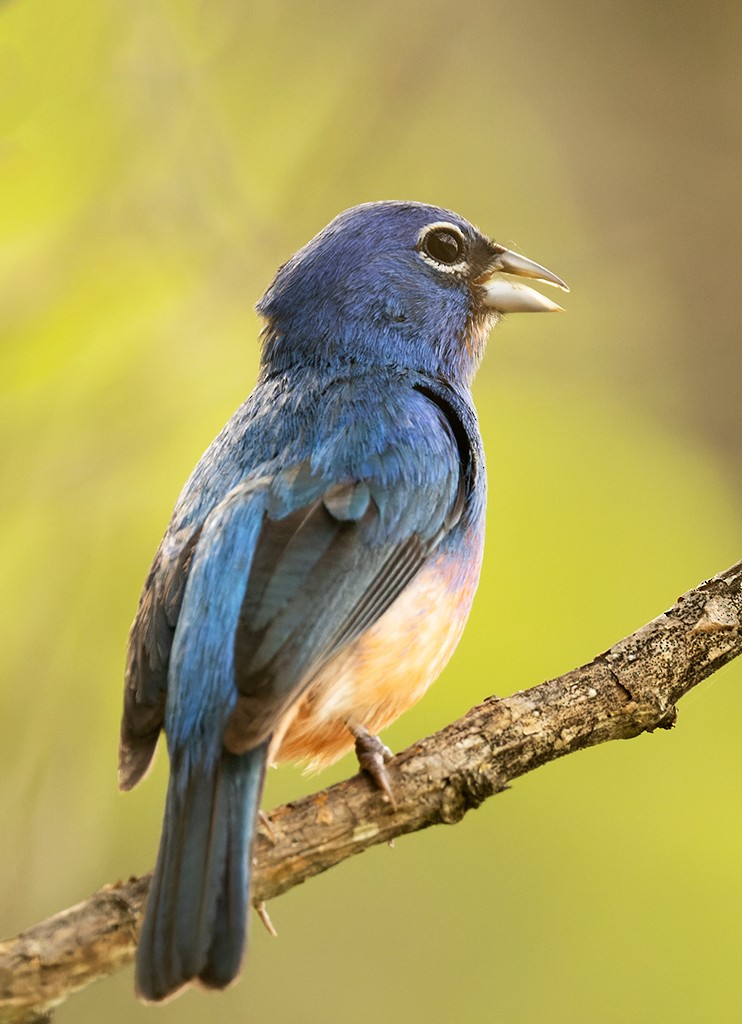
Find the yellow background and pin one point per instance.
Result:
(158, 160)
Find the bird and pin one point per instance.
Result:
(322, 558)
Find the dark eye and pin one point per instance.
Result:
(444, 245)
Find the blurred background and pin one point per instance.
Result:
(158, 161)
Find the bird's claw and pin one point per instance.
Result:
(268, 830)
(264, 916)
(373, 756)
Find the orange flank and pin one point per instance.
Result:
(386, 670)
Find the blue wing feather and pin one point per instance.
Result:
(201, 688)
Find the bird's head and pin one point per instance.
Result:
(396, 283)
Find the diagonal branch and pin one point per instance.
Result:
(630, 689)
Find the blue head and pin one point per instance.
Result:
(395, 283)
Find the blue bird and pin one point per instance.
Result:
(321, 561)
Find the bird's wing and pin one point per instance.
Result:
(320, 576)
(287, 570)
(148, 654)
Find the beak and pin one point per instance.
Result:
(508, 296)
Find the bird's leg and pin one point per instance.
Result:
(372, 757)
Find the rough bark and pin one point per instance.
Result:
(631, 688)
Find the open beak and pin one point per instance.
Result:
(508, 296)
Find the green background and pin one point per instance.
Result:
(158, 160)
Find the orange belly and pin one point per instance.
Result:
(383, 672)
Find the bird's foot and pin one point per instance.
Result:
(268, 831)
(265, 918)
(373, 756)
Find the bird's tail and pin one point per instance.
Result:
(196, 917)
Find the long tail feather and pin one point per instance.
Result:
(196, 917)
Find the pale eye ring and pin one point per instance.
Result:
(444, 244)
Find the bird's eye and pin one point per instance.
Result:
(445, 245)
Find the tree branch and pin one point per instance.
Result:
(630, 689)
